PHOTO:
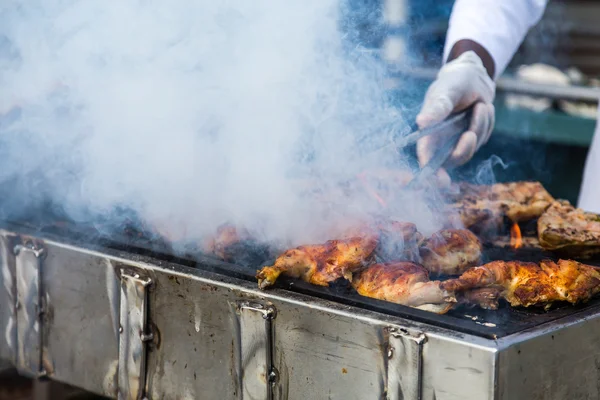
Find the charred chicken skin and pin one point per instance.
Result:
(403, 283)
(519, 201)
(568, 229)
(450, 252)
(527, 284)
(321, 264)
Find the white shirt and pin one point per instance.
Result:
(498, 25)
(589, 196)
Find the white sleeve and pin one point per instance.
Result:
(499, 26)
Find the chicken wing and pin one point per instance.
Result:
(527, 284)
(450, 252)
(569, 230)
(403, 283)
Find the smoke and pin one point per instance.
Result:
(484, 173)
(195, 113)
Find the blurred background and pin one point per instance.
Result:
(536, 137)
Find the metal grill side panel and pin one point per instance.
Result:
(326, 356)
(193, 353)
(562, 363)
(458, 369)
(82, 324)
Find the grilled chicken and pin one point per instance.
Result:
(450, 252)
(398, 241)
(321, 264)
(480, 204)
(528, 284)
(226, 237)
(569, 230)
(403, 283)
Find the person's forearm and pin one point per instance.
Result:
(462, 46)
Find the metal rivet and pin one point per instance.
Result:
(120, 329)
(391, 352)
(273, 376)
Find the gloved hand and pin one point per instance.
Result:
(459, 84)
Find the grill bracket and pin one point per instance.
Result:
(29, 308)
(404, 364)
(257, 373)
(133, 335)
(8, 296)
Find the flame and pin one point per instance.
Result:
(516, 240)
(363, 179)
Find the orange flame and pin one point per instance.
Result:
(363, 179)
(516, 240)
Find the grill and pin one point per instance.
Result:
(248, 257)
(121, 316)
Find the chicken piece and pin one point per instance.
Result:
(225, 242)
(399, 241)
(450, 252)
(527, 284)
(569, 230)
(405, 231)
(478, 216)
(321, 264)
(521, 201)
(403, 283)
(480, 204)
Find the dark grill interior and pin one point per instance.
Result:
(134, 238)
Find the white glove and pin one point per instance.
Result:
(459, 84)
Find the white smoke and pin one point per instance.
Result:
(194, 113)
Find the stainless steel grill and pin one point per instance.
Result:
(128, 325)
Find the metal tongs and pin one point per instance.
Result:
(452, 128)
